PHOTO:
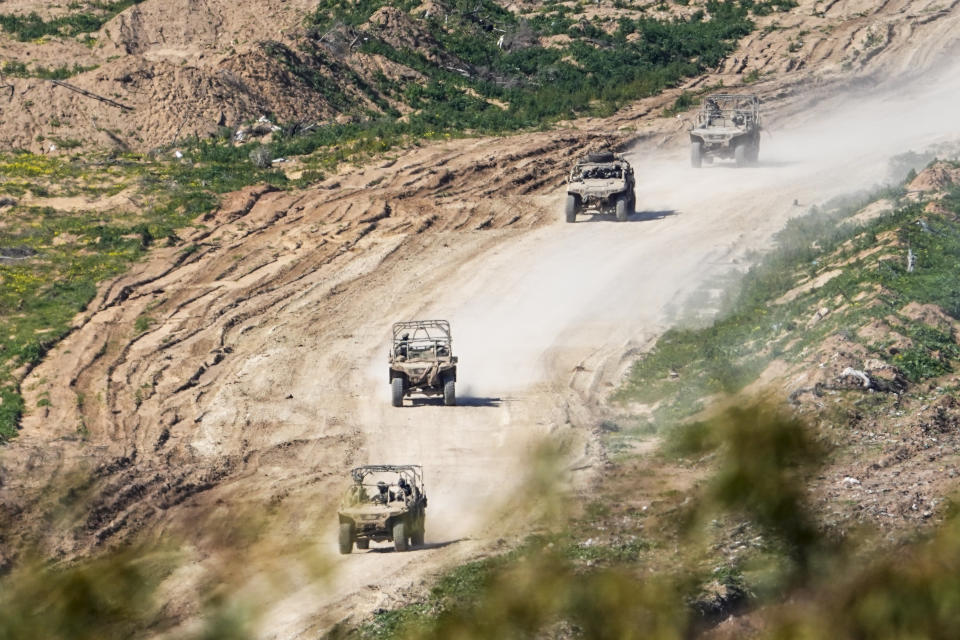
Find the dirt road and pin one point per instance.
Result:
(543, 318)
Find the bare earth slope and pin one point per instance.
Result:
(260, 378)
(187, 68)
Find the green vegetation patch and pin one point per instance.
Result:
(490, 71)
(918, 262)
(52, 260)
(31, 26)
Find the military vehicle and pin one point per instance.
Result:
(600, 183)
(386, 502)
(422, 361)
(727, 126)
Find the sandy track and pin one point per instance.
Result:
(543, 318)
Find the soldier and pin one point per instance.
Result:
(713, 111)
(381, 497)
(401, 349)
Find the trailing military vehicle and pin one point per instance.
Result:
(385, 503)
(600, 183)
(421, 361)
(727, 126)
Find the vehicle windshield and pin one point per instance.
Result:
(426, 350)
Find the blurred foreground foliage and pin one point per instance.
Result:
(817, 586)
(664, 584)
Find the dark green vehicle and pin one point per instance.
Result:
(385, 503)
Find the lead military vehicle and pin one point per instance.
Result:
(385, 503)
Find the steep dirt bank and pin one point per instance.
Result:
(251, 383)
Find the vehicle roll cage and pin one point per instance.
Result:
(436, 332)
(412, 473)
(731, 109)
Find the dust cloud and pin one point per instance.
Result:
(578, 289)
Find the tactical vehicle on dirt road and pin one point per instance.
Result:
(422, 361)
(600, 183)
(728, 126)
(385, 503)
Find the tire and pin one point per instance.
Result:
(363, 544)
(754, 154)
(622, 206)
(400, 536)
(416, 538)
(450, 393)
(346, 538)
(740, 155)
(396, 389)
(572, 205)
(696, 154)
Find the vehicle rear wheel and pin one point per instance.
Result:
(740, 155)
(573, 203)
(450, 393)
(622, 205)
(696, 154)
(346, 537)
(363, 544)
(396, 389)
(416, 538)
(400, 536)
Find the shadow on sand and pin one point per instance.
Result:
(462, 401)
(424, 547)
(636, 216)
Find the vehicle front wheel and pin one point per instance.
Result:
(346, 537)
(573, 203)
(400, 536)
(740, 155)
(622, 206)
(450, 393)
(396, 389)
(696, 154)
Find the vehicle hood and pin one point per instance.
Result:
(597, 186)
(372, 512)
(718, 132)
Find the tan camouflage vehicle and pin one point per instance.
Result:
(385, 503)
(600, 183)
(728, 126)
(422, 361)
